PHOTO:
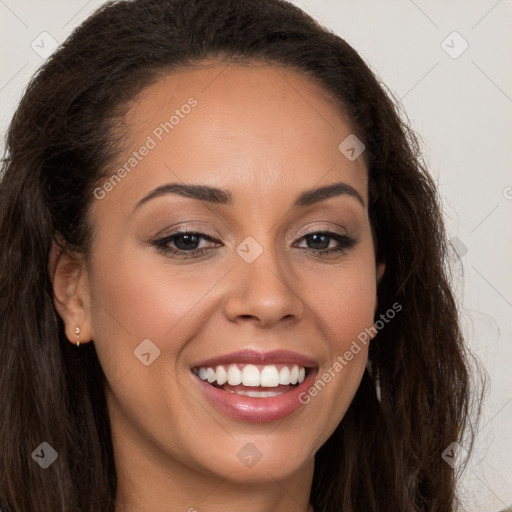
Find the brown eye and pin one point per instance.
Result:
(319, 242)
(185, 243)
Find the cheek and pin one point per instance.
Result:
(136, 297)
(145, 300)
(344, 299)
(343, 302)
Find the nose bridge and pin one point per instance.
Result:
(263, 286)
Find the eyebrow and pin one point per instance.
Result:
(225, 197)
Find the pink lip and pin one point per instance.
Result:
(258, 410)
(250, 356)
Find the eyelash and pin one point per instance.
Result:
(346, 243)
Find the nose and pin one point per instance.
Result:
(264, 292)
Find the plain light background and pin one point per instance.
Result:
(448, 63)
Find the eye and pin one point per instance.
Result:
(186, 244)
(321, 238)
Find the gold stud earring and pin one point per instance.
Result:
(77, 332)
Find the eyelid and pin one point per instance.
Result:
(204, 229)
(187, 228)
(319, 229)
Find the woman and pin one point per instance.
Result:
(223, 279)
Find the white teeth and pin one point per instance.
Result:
(256, 394)
(234, 375)
(211, 375)
(269, 377)
(284, 375)
(250, 375)
(294, 374)
(222, 375)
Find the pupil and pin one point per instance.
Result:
(316, 238)
(190, 241)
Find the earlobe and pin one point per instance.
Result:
(68, 274)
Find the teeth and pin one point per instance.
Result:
(211, 375)
(294, 375)
(251, 375)
(234, 375)
(269, 377)
(222, 375)
(256, 394)
(284, 375)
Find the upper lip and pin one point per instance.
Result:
(251, 356)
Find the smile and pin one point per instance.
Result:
(242, 386)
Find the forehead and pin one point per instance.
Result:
(255, 129)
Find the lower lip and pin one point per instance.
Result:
(254, 409)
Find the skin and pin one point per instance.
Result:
(266, 134)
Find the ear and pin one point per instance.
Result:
(68, 274)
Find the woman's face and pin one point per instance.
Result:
(261, 294)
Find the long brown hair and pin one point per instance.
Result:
(384, 456)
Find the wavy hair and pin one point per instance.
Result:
(385, 455)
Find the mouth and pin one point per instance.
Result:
(254, 386)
